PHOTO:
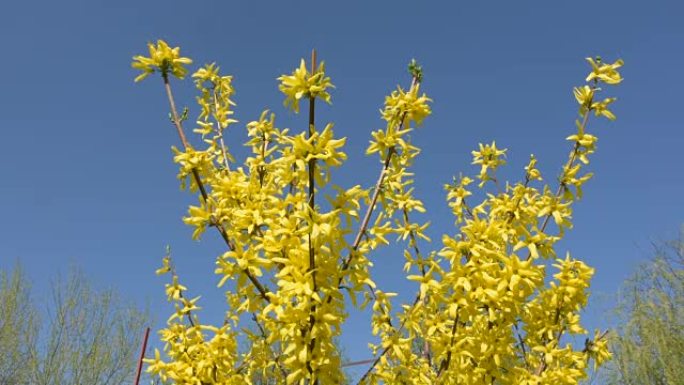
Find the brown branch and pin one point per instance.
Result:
(522, 345)
(174, 275)
(262, 169)
(367, 216)
(219, 130)
(588, 343)
(374, 199)
(447, 361)
(263, 291)
(373, 202)
(413, 242)
(312, 208)
(355, 363)
(386, 349)
(426, 347)
(174, 111)
(542, 366)
(568, 166)
(517, 203)
(467, 209)
(274, 357)
(142, 355)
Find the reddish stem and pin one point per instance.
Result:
(142, 356)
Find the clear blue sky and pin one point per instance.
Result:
(86, 170)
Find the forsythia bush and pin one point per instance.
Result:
(487, 308)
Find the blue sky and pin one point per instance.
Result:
(87, 176)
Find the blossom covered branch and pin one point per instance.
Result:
(485, 311)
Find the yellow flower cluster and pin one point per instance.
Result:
(485, 311)
(163, 59)
(302, 84)
(214, 99)
(401, 106)
(215, 103)
(606, 73)
(490, 158)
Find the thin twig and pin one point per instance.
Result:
(174, 276)
(568, 166)
(142, 355)
(447, 361)
(386, 349)
(263, 291)
(522, 345)
(312, 207)
(589, 343)
(219, 130)
(376, 190)
(367, 216)
(374, 199)
(467, 209)
(262, 169)
(355, 363)
(542, 366)
(276, 358)
(414, 242)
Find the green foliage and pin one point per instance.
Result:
(648, 346)
(89, 336)
(18, 327)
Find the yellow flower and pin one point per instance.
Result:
(215, 98)
(531, 169)
(407, 105)
(606, 73)
(163, 59)
(490, 158)
(486, 310)
(601, 108)
(584, 95)
(166, 266)
(304, 84)
(175, 290)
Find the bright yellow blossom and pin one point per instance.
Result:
(163, 59)
(490, 159)
(492, 304)
(407, 106)
(606, 73)
(303, 84)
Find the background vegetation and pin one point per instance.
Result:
(79, 335)
(648, 341)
